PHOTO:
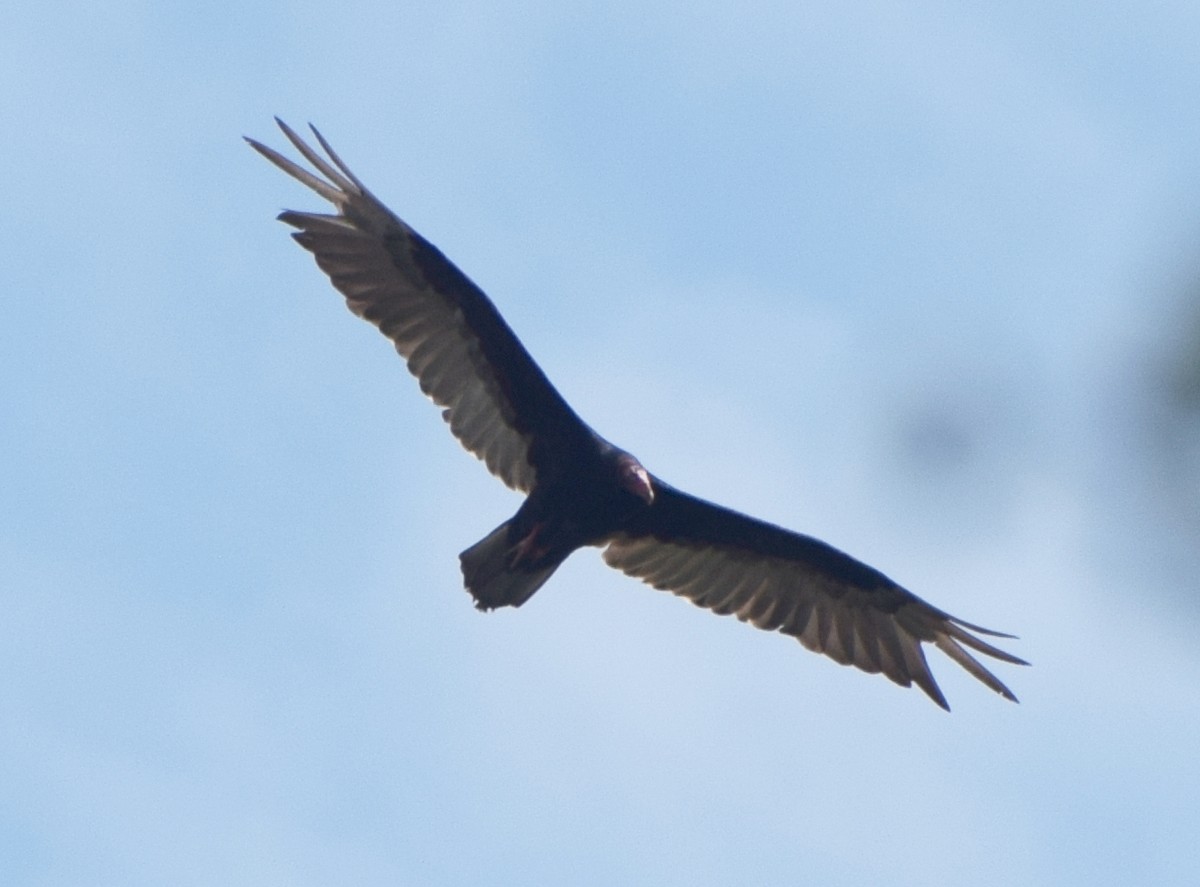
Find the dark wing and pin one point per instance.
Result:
(499, 403)
(780, 580)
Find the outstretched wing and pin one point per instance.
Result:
(782, 581)
(498, 402)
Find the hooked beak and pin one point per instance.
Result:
(636, 479)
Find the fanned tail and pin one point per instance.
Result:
(491, 578)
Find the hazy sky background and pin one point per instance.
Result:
(920, 280)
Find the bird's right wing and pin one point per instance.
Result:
(498, 402)
(779, 580)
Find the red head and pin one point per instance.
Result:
(634, 478)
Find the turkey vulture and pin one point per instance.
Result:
(581, 490)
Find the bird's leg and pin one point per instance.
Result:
(527, 550)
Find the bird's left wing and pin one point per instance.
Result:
(499, 403)
(779, 580)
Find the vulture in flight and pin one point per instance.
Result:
(580, 489)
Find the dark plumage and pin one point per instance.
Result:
(581, 489)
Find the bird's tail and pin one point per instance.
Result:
(491, 577)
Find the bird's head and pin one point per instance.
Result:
(634, 478)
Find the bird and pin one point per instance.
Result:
(582, 491)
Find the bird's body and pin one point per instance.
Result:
(583, 491)
(603, 492)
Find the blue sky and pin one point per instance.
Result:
(915, 280)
